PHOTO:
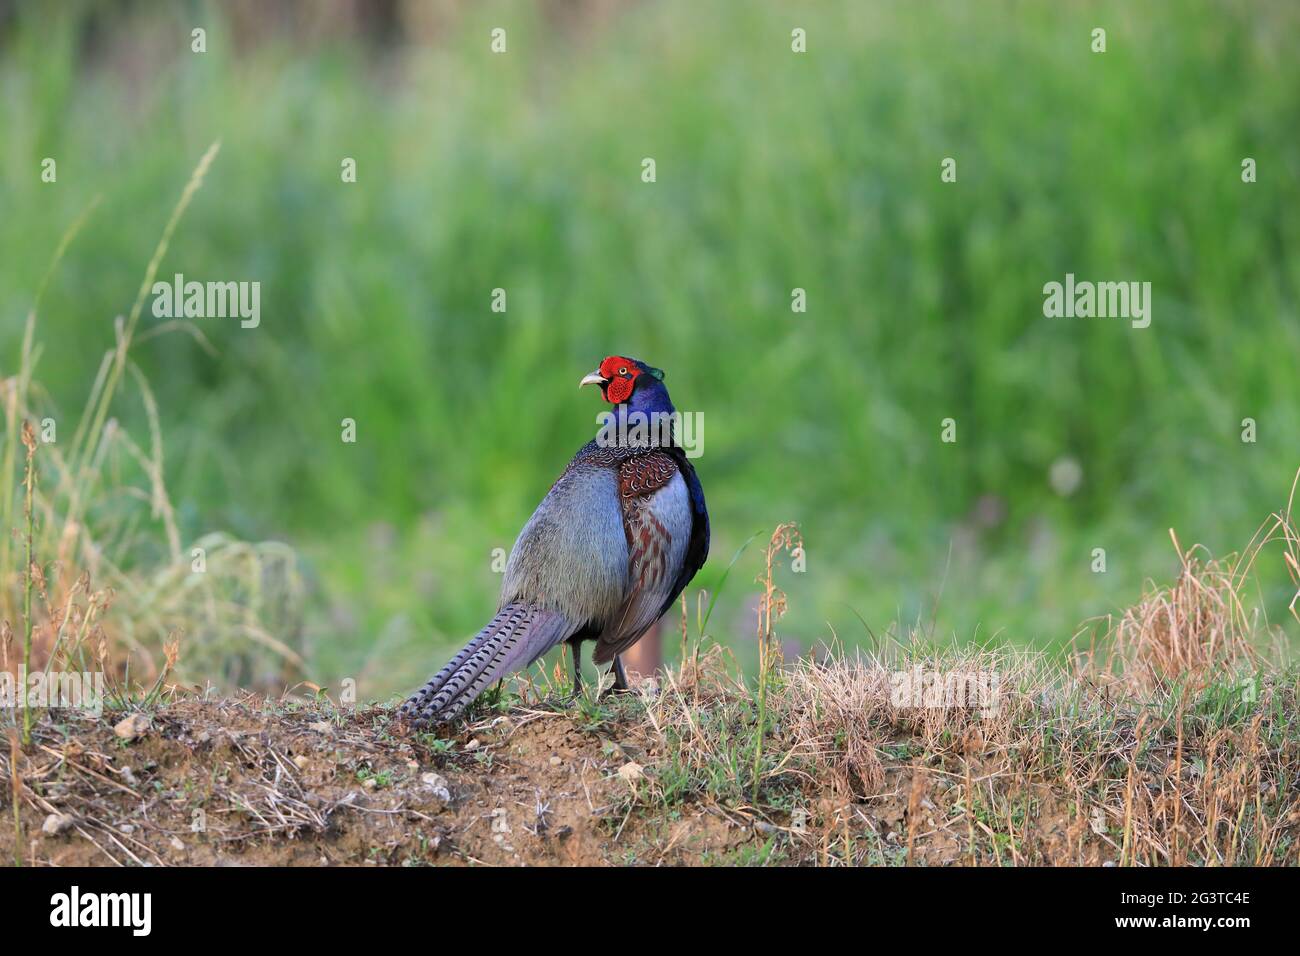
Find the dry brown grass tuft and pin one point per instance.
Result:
(1190, 631)
(1199, 628)
(835, 718)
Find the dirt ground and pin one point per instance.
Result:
(243, 782)
(233, 783)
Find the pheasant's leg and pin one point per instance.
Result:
(620, 678)
(576, 647)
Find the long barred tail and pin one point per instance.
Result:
(518, 635)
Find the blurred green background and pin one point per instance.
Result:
(775, 170)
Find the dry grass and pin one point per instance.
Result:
(101, 533)
(834, 718)
(1190, 632)
(1061, 769)
(1173, 738)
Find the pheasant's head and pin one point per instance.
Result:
(620, 378)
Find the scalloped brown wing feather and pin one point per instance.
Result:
(657, 521)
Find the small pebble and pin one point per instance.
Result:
(436, 784)
(131, 726)
(56, 823)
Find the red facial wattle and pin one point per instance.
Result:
(621, 374)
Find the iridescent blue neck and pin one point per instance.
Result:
(650, 396)
(645, 420)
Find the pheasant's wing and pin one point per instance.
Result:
(697, 548)
(572, 555)
(658, 520)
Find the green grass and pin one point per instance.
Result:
(775, 171)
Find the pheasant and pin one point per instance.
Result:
(616, 539)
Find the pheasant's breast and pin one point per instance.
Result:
(572, 555)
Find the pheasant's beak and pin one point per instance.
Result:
(595, 378)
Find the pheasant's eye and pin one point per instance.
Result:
(623, 370)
